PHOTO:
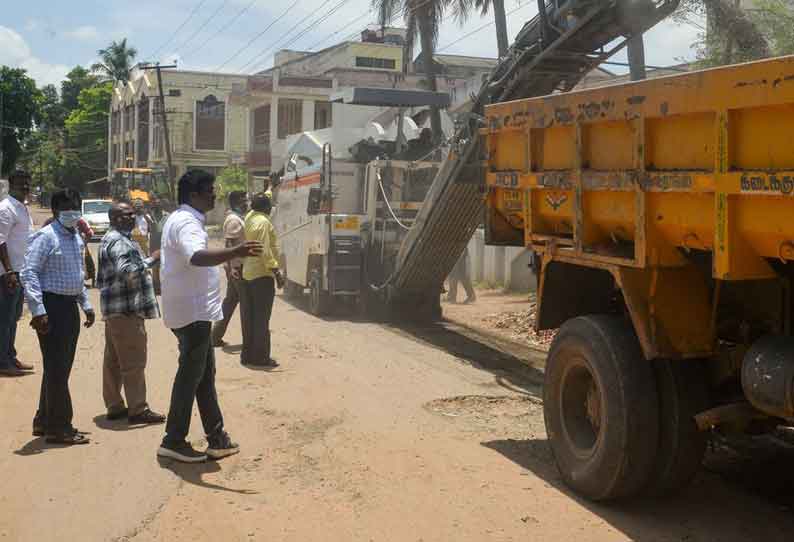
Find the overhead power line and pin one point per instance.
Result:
(256, 37)
(181, 26)
(478, 29)
(255, 58)
(224, 27)
(325, 17)
(204, 25)
(348, 25)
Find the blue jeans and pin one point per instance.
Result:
(195, 380)
(10, 312)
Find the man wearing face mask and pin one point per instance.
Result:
(14, 231)
(127, 299)
(54, 289)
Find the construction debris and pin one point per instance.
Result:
(521, 326)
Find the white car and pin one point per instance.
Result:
(95, 212)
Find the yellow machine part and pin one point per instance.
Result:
(636, 176)
(139, 194)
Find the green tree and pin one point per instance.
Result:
(86, 142)
(731, 34)
(19, 98)
(775, 20)
(51, 114)
(42, 157)
(76, 81)
(115, 61)
(231, 179)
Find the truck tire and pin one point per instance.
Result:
(601, 409)
(318, 299)
(683, 393)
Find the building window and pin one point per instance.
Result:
(262, 128)
(210, 124)
(115, 125)
(373, 62)
(290, 115)
(322, 115)
(143, 130)
(129, 118)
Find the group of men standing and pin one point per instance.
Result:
(49, 266)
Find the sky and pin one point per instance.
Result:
(49, 37)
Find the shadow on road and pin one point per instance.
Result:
(511, 371)
(710, 509)
(515, 366)
(102, 422)
(35, 447)
(193, 474)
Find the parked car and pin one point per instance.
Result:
(95, 212)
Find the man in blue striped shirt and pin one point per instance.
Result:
(53, 278)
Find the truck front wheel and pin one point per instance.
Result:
(601, 408)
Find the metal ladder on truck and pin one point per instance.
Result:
(551, 53)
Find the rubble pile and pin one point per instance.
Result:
(521, 326)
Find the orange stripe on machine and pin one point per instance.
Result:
(314, 178)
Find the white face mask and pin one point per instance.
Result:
(68, 219)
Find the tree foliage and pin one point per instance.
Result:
(231, 179)
(20, 100)
(730, 34)
(76, 81)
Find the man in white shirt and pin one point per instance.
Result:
(14, 231)
(191, 301)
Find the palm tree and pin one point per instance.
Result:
(422, 18)
(463, 7)
(116, 61)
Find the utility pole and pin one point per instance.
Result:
(164, 118)
(41, 170)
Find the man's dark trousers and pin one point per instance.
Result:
(229, 304)
(10, 312)
(58, 348)
(195, 378)
(256, 306)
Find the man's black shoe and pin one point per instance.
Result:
(147, 417)
(118, 414)
(183, 452)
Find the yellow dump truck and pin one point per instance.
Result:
(661, 215)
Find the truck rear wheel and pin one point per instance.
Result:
(318, 299)
(683, 393)
(601, 408)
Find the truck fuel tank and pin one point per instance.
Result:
(768, 375)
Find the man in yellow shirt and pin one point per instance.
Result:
(260, 275)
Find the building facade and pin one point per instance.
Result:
(206, 130)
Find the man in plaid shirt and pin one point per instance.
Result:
(127, 299)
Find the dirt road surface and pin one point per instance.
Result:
(366, 432)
